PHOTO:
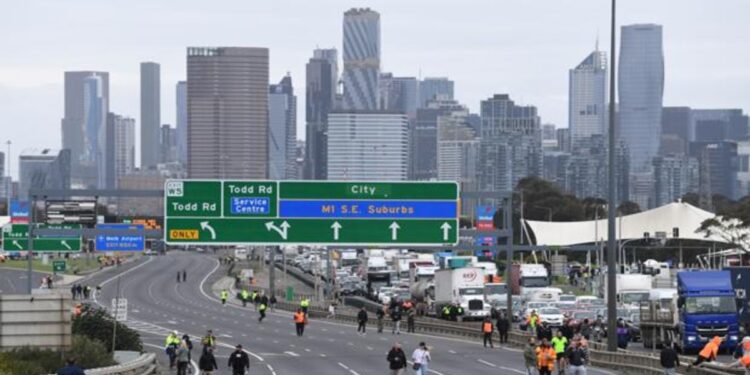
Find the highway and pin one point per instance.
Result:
(13, 280)
(157, 305)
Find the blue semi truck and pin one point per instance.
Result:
(703, 308)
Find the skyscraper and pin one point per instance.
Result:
(227, 94)
(367, 145)
(150, 114)
(511, 144)
(423, 137)
(120, 148)
(320, 96)
(457, 150)
(181, 122)
(398, 94)
(85, 92)
(282, 130)
(167, 144)
(431, 88)
(361, 59)
(43, 169)
(93, 158)
(587, 97)
(640, 88)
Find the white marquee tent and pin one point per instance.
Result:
(681, 215)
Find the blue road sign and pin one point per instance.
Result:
(119, 242)
(485, 213)
(376, 209)
(19, 209)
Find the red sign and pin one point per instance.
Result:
(485, 225)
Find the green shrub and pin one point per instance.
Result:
(90, 353)
(31, 361)
(96, 324)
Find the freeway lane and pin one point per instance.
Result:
(13, 280)
(158, 304)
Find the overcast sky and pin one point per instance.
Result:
(523, 48)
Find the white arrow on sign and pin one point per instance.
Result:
(210, 229)
(18, 245)
(282, 230)
(394, 230)
(65, 243)
(446, 229)
(336, 227)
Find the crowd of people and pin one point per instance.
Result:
(83, 292)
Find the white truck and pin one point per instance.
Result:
(349, 258)
(422, 280)
(496, 294)
(401, 265)
(533, 277)
(463, 286)
(632, 289)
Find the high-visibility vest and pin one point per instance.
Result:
(545, 357)
(245, 294)
(299, 317)
(224, 294)
(745, 361)
(709, 351)
(262, 307)
(172, 340)
(446, 310)
(487, 327)
(255, 294)
(304, 303)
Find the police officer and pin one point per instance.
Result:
(224, 296)
(244, 295)
(299, 322)
(262, 310)
(304, 304)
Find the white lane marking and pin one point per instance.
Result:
(269, 369)
(486, 363)
(452, 351)
(513, 370)
(428, 370)
(345, 367)
(293, 354)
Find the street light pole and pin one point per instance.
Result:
(611, 240)
(8, 182)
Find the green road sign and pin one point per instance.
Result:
(311, 212)
(58, 266)
(16, 238)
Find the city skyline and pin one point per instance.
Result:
(412, 43)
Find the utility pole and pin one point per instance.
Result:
(611, 240)
(8, 182)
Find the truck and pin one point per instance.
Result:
(422, 280)
(378, 274)
(741, 284)
(632, 289)
(463, 286)
(496, 294)
(704, 307)
(490, 271)
(401, 264)
(348, 258)
(532, 277)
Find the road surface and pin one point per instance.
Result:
(157, 305)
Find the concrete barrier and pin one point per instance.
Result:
(145, 364)
(40, 320)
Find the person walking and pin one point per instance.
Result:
(209, 341)
(503, 325)
(178, 277)
(207, 362)
(669, 359)
(239, 361)
(262, 311)
(244, 295)
(623, 335)
(272, 302)
(299, 322)
(331, 311)
(708, 353)
(184, 276)
(189, 344)
(532, 321)
(529, 357)
(396, 359)
(487, 331)
(70, 368)
(171, 343)
(410, 316)
(421, 358)
(183, 358)
(79, 291)
(396, 318)
(362, 321)
(545, 358)
(560, 344)
(304, 304)
(380, 315)
(577, 358)
(224, 296)
(73, 291)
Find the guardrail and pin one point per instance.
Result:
(145, 364)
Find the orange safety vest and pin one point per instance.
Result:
(709, 351)
(545, 357)
(487, 327)
(299, 317)
(745, 361)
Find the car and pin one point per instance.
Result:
(551, 316)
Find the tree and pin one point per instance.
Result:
(692, 198)
(544, 200)
(96, 324)
(628, 208)
(594, 207)
(729, 230)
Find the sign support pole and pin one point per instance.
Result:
(30, 252)
(117, 308)
(272, 270)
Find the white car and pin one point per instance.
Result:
(551, 316)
